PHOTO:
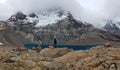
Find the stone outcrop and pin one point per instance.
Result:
(99, 58)
(54, 52)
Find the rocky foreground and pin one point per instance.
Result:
(99, 58)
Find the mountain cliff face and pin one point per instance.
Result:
(44, 25)
(65, 30)
(111, 31)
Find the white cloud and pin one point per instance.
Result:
(27, 6)
(112, 8)
(93, 11)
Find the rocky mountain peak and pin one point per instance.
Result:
(112, 25)
(17, 16)
(33, 15)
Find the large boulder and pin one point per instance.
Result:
(56, 52)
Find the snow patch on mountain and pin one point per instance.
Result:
(42, 17)
(112, 25)
(49, 19)
(50, 16)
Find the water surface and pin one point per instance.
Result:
(85, 47)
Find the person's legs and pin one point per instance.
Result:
(55, 45)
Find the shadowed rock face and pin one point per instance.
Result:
(18, 16)
(33, 15)
(57, 59)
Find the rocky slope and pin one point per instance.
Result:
(70, 31)
(99, 58)
(9, 37)
(65, 30)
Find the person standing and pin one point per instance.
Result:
(55, 42)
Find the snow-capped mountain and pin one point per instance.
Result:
(50, 16)
(111, 31)
(45, 17)
(62, 24)
(112, 25)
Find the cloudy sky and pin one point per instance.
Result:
(93, 11)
